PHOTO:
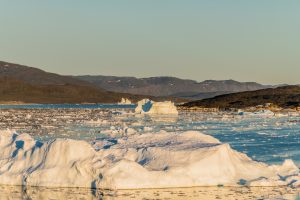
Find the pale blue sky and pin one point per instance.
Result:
(245, 40)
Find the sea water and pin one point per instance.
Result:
(266, 139)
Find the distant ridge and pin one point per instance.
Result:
(170, 86)
(286, 97)
(31, 85)
(35, 76)
(16, 90)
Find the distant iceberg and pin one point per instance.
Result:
(125, 101)
(147, 106)
(150, 160)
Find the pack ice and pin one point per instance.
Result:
(150, 160)
(147, 106)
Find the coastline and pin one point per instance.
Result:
(14, 103)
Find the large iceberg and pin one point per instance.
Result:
(151, 107)
(150, 160)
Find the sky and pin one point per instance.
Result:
(244, 40)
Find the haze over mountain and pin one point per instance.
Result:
(170, 86)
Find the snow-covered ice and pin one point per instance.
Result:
(149, 160)
(125, 101)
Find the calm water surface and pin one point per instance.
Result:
(205, 193)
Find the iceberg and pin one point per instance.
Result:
(147, 106)
(125, 101)
(149, 160)
(143, 105)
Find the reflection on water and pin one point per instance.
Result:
(207, 193)
(42, 193)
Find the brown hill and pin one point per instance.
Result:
(287, 97)
(170, 86)
(17, 90)
(31, 85)
(36, 76)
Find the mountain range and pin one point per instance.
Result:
(33, 85)
(170, 86)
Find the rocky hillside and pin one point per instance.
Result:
(31, 85)
(20, 91)
(286, 96)
(35, 76)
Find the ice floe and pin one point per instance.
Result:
(149, 160)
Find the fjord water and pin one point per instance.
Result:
(266, 139)
(270, 140)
